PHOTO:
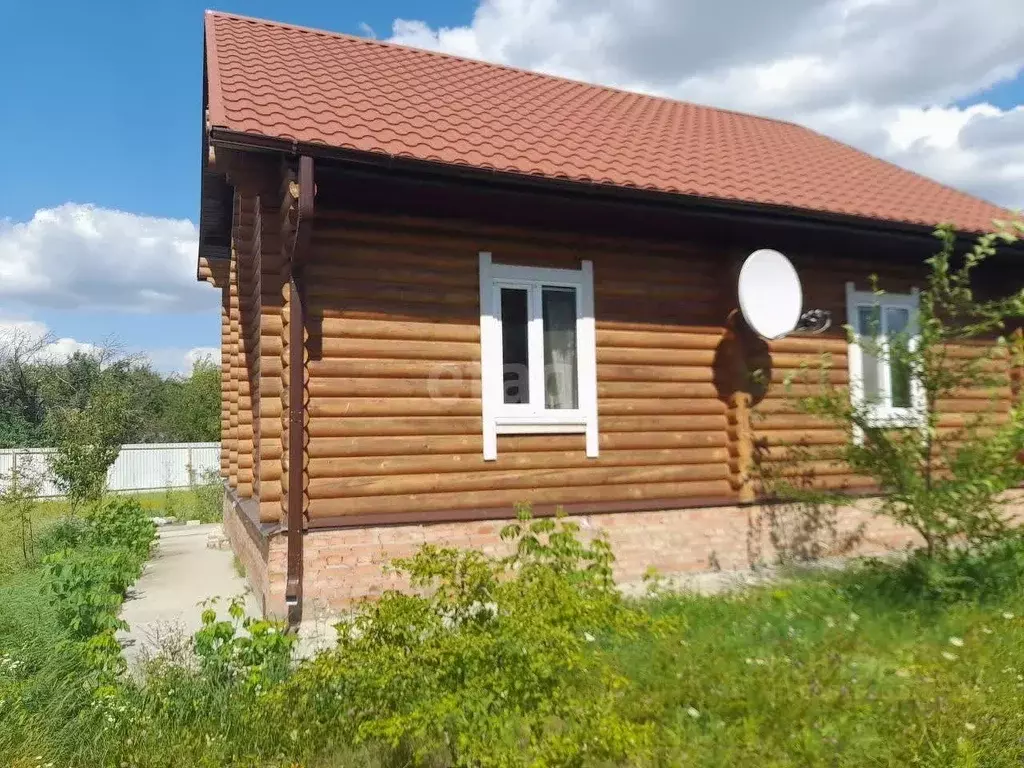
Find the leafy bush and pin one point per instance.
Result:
(496, 662)
(88, 577)
(242, 648)
(64, 533)
(120, 521)
(988, 572)
(946, 483)
(87, 440)
(87, 587)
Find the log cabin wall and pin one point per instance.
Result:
(245, 359)
(776, 425)
(233, 385)
(395, 409)
(251, 368)
(271, 409)
(225, 378)
(394, 368)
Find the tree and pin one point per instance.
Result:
(88, 429)
(22, 409)
(192, 405)
(945, 483)
(36, 388)
(19, 500)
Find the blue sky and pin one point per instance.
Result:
(105, 113)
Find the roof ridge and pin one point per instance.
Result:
(497, 65)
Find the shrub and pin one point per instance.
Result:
(120, 521)
(945, 483)
(89, 575)
(65, 533)
(87, 586)
(87, 437)
(495, 663)
(254, 651)
(984, 573)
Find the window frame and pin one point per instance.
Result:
(504, 418)
(883, 414)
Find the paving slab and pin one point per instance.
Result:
(163, 609)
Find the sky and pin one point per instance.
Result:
(99, 177)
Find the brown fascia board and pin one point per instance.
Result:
(709, 207)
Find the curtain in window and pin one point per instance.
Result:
(558, 307)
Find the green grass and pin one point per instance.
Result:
(184, 504)
(823, 669)
(178, 502)
(817, 673)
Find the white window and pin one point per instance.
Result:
(537, 352)
(893, 396)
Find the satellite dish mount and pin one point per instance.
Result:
(771, 297)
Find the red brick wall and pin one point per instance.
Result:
(343, 566)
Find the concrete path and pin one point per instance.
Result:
(163, 610)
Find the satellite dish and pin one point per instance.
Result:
(770, 295)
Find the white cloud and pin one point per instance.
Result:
(196, 354)
(84, 257)
(180, 360)
(883, 75)
(35, 336)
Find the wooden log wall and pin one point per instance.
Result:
(393, 370)
(216, 272)
(246, 353)
(271, 409)
(288, 218)
(394, 406)
(251, 338)
(776, 426)
(225, 381)
(234, 384)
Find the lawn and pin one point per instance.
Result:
(820, 672)
(820, 668)
(199, 502)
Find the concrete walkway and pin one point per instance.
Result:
(163, 609)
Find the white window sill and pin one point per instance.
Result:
(540, 425)
(896, 418)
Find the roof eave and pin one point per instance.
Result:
(226, 137)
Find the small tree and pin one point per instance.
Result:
(945, 482)
(87, 440)
(19, 500)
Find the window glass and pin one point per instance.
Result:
(868, 327)
(897, 319)
(558, 308)
(514, 345)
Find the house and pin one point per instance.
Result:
(449, 287)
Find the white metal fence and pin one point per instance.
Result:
(139, 467)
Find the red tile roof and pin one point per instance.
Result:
(293, 83)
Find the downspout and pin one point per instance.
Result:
(296, 391)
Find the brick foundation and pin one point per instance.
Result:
(250, 545)
(343, 566)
